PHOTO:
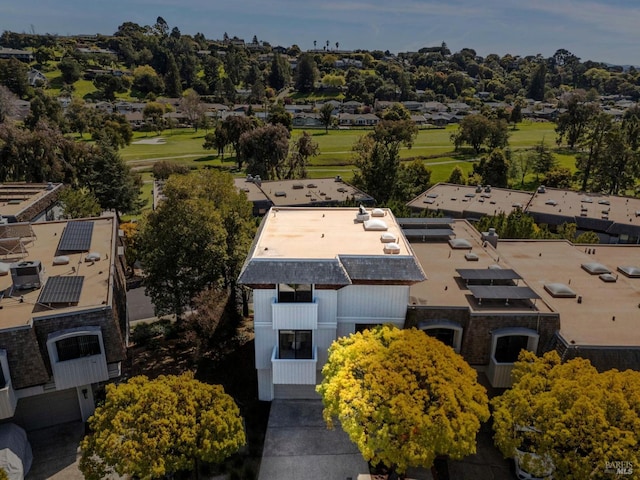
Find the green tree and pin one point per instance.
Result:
(217, 140)
(112, 182)
(593, 143)
(326, 116)
(494, 169)
(172, 80)
(477, 130)
(279, 115)
(70, 69)
(537, 82)
(517, 224)
(266, 149)
(306, 73)
(153, 428)
(15, 76)
(543, 159)
(78, 116)
(413, 179)
(79, 203)
(402, 397)
(304, 147)
(280, 73)
(558, 177)
(573, 123)
(192, 106)
(457, 176)
(153, 114)
(8, 103)
(163, 169)
(234, 127)
(111, 129)
(44, 107)
(146, 80)
(568, 415)
(587, 237)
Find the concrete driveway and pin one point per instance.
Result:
(298, 445)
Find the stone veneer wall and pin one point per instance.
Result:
(477, 328)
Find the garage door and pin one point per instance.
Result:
(48, 409)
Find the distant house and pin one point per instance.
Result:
(307, 120)
(36, 78)
(22, 55)
(351, 106)
(358, 120)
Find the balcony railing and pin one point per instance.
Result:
(80, 371)
(499, 374)
(294, 316)
(8, 401)
(294, 371)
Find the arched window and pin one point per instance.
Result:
(506, 343)
(449, 333)
(75, 343)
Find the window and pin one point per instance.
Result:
(508, 348)
(77, 347)
(295, 344)
(445, 335)
(295, 293)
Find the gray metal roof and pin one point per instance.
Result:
(483, 292)
(394, 268)
(432, 233)
(270, 271)
(424, 222)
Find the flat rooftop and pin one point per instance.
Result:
(253, 192)
(622, 210)
(444, 287)
(470, 202)
(609, 312)
(19, 307)
(322, 233)
(17, 197)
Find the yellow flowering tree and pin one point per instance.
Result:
(570, 417)
(402, 397)
(151, 428)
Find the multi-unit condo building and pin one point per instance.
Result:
(318, 274)
(29, 202)
(63, 318)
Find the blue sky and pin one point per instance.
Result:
(597, 30)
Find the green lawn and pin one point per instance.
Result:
(432, 146)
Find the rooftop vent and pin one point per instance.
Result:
(92, 257)
(517, 205)
(551, 202)
(4, 269)
(629, 271)
(281, 194)
(338, 178)
(298, 186)
(362, 215)
(604, 202)
(542, 189)
(608, 278)
(487, 189)
(494, 266)
(388, 238)
(377, 212)
(375, 225)
(312, 185)
(49, 186)
(61, 260)
(559, 290)
(432, 195)
(595, 268)
(479, 189)
(392, 248)
(587, 200)
(470, 195)
(342, 189)
(471, 257)
(429, 201)
(249, 178)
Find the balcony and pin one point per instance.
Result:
(294, 316)
(499, 374)
(294, 371)
(8, 401)
(80, 371)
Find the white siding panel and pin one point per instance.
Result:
(373, 301)
(265, 339)
(345, 329)
(8, 401)
(327, 305)
(294, 316)
(265, 385)
(499, 374)
(325, 335)
(80, 371)
(294, 372)
(262, 304)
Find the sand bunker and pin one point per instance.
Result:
(150, 141)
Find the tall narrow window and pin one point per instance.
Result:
(295, 344)
(295, 292)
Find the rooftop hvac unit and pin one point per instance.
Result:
(27, 275)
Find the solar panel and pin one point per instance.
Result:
(76, 237)
(484, 292)
(61, 290)
(487, 274)
(431, 233)
(424, 222)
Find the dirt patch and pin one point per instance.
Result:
(150, 141)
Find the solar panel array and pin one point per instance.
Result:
(502, 292)
(61, 290)
(487, 274)
(76, 237)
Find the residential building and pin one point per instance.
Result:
(22, 55)
(29, 202)
(318, 274)
(615, 219)
(63, 320)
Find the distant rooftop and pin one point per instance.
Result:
(470, 202)
(19, 307)
(16, 198)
